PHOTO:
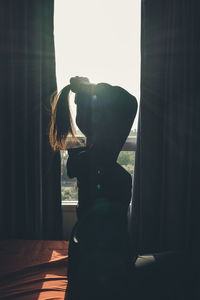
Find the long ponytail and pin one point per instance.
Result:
(61, 125)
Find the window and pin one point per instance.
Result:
(99, 40)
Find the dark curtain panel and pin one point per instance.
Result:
(166, 196)
(30, 201)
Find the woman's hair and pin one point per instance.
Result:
(113, 110)
(61, 125)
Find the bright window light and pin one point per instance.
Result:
(98, 39)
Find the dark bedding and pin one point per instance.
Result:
(32, 269)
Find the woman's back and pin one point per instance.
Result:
(99, 253)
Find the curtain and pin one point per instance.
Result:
(30, 200)
(166, 196)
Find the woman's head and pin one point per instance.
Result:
(105, 114)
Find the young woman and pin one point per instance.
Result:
(99, 257)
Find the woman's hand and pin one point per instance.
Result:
(76, 82)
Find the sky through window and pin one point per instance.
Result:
(99, 40)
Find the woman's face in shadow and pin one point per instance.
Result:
(89, 117)
(84, 114)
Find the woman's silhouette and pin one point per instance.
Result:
(99, 258)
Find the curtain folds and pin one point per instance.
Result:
(30, 200)
(166, 187)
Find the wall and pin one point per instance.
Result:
(69, 219)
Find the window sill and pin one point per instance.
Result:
(130, 144)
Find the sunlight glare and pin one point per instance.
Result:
(99, 40)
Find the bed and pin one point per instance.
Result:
(33, 269)
(37, 270)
